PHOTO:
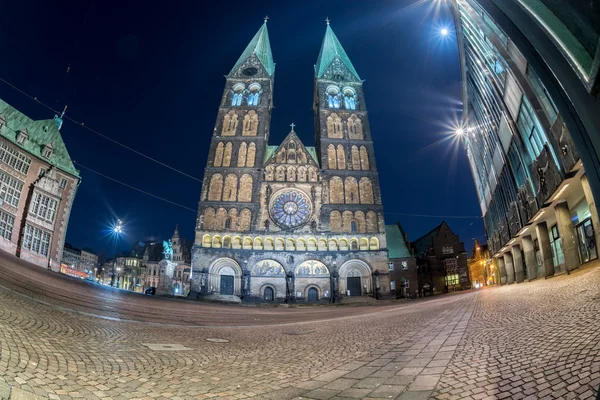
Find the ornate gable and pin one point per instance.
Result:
(291, 162)
(251, 68)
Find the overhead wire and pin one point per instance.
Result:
(98, 133)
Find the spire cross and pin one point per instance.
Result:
(266, 18)
(292, 125)
(327, 20)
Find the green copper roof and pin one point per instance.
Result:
(313, 153)
(269, 151)
(396, 244)
(260, 46)
(330, 49)
(40, 133)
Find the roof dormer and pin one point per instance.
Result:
(2, 121)
(47, 151)
(22, 137)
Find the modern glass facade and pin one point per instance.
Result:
(528, 173)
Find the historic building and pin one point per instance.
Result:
(441, 261)
(483, 269)
(402, 265)
(291, 222)
(38, 183)
(530, 95)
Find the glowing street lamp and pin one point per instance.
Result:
(459, 131)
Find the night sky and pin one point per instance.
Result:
(152, 78)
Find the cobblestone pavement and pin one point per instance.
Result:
(538, 339)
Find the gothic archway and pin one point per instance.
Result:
(355, 275)
(224, 277)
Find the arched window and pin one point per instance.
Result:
(230, 188)
(349, 98)
(281, 156)
(227, 154)
(230, 121)
(219, 155)
(226, 242)
(251, 155)
(250, 124)
(301, 157)
(335, 221)
(233, 217)
(371, 221)
(291, 174)
(245, 188)
(351, 188)
(291, 157)
(237, 94)
(245, 219)
(228, 223)
(366, 191)
(354, 226)
(331, 157)
(302, 174)
(374, 244)
(280, 173)
(220, 218)
(269, 173)
(341, 157)
(254, 95)
(334, 126)
(355, 158)
(215, 188)
(209, 218)
(333, 97)
(336, 190)
(359, 216)
(354, 245)
(312, 174)
(355, 128)
(364, 158)
(242, 155)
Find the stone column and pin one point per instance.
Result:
(568, 238)
(510, 270)
(518, 263)
(502, 270)
(530, 261)
(541, 231)
(592, 205)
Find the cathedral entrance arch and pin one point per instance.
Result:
(224, 277)
(355, 278)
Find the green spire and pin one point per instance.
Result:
(261, 47)
(330, 49)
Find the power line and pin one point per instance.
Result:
(98, 133)
(134, 188)
(435, 216)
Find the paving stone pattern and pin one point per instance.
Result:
(531, 340)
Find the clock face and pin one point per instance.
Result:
(290, 208)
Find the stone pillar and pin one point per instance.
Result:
(502, 270)
(510, 270)
(541, 231)
(568, 238)
(518, 263)
(530, 261)
(592, 204)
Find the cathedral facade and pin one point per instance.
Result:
(291, 222)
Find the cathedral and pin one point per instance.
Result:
(291, 223)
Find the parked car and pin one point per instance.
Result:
(150, 291)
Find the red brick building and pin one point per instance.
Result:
(38, 183)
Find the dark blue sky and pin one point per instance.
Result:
(152, 77)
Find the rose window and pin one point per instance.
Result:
(290, 208)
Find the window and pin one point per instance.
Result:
(391, 266)
(238, 94)
(10, 189)
(7, 222)
(333, 97)
(447, 250)
(36, 240)
(452, 280)
(530, 129)
(47, 151)
(14, 159)
(557, 251)
(228, 223)
(353, 226)
(349, 98)
(542, 95)
(254, 96)
(63, 183)
(406, 283)
(43, 207)
(404, 265)
(392, 285)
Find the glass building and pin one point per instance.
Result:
(532, 129)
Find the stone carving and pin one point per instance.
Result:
(312, 268)
(290, 208)
(545, 175)
(354, 273)
(168, 250)
(268, 268)
(289, 283)
(513, 219)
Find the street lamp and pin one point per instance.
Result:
(459, 131)
(117, 231)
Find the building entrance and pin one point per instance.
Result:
(353, 285)
(587, 241)
(226, 285)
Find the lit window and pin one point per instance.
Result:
(228, 223)
(7, 222)
(333, 97)
(10, 189)
(404, 265)
(14, 159)
(349, 98)
(254, 96)
(391, 266)
(63, 183)
(392, 285)
(36, 240)
(43, 207)
(353, 225)
(238, 94)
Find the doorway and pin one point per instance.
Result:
(313, 295)
(587, 242)
(353, 285)
(226, 285)
(268, 294)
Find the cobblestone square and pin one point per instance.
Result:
(66, 339)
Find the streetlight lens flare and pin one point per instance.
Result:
(444, 31)
(460, 131)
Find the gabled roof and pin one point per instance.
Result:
(421, 245)
(330, 50)
(271, 150)
(396, 242)
(39, 134)
(261, 47)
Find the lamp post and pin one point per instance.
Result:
(117, 231)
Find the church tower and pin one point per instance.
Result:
(229, 200)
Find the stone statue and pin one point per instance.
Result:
(313, 226)
(168, 250)
(267, 224)
(289, 280)
(268, 192)
(313, 193)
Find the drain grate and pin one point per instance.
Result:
(217, 340)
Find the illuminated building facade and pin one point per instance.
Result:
(530, 97)
(291, 222)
